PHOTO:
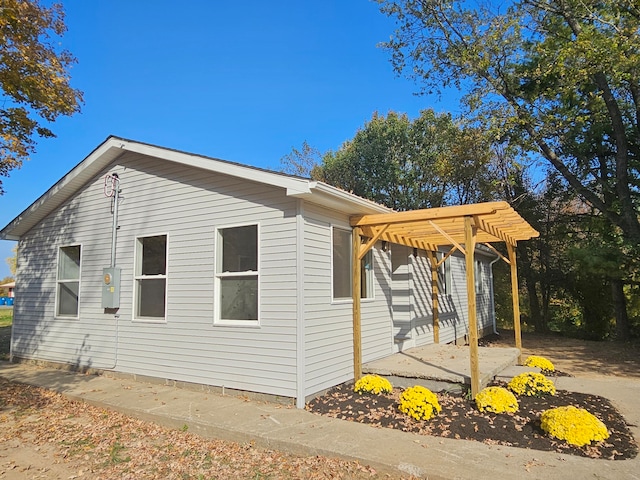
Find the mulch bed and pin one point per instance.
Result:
(460, 419)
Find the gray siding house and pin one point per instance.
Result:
(153, 262)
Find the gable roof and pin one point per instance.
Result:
(113, 147)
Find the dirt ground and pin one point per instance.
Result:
(578, 357)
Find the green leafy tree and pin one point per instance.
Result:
(407, 164)
(34, 78)
(559, 77)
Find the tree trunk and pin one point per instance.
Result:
(529, 278)
(620, 306)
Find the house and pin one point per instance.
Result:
(159, 263)
(10, 288)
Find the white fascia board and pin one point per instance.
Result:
(62, 190)
(294, 186)
(334, 198)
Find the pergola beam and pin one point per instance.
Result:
(470, 242)
(515, 299)
(356, 294)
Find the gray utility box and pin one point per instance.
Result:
(111, 287)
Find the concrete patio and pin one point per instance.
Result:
(442, 367)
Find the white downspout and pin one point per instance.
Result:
(493, 300)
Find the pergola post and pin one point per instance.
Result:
(356, 294)
(470, 232)
(433, 260)
(515, 298)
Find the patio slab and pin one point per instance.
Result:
(442, 367)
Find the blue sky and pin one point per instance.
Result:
(243, 81)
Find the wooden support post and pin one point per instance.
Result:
(470, 246)
(355, 292)
(515, 298)
(433, 260)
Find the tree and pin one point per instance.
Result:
(301, 162)
(34, 78)
(559, 77)
(12, 261)
(407, 164)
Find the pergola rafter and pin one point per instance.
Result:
(461, 227)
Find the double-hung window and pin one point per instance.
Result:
(68, 282)
(237, 275)
(478, 276)
(444, 274)
(151, 277)
(341, 265)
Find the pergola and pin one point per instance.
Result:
(461, 228)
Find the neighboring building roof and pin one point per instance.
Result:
(8, 285)
(113, 147)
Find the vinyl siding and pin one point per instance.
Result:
(186, 204)
(328, 324)
(413, 304)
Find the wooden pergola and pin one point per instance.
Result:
(460, 228)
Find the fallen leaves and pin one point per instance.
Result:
(95, 443)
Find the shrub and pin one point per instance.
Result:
(575, 425)
(540, 362)
(531, 385)
(419, 402)
(374, 384)
(496, 400)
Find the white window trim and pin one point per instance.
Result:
(58, 281)
(217, 321)
(136, 255)
(346, 300)
(478, 277)
(447, 278)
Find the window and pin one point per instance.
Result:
(68, 283)
(341, 264)
(366, 281)
(444, 274)
(478, 276)
(237, 274)
(151, 277)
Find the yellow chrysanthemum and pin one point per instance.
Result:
(540, 362)
(496, 400)
(419, 402)
(373, 384)
(575, 425)
(532, 385)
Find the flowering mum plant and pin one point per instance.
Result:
(496, 400)
(575, 425)
(532, 385)
(540, 362)
(374, 384)
(419, 402)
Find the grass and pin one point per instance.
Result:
(6, 317)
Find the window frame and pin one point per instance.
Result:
(220, 275)
(137, 259)
(444, 274)
(370, 273)
(60, 281)
(478, 276)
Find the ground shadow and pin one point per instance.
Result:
(579, 356)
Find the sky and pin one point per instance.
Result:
(241, 81)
